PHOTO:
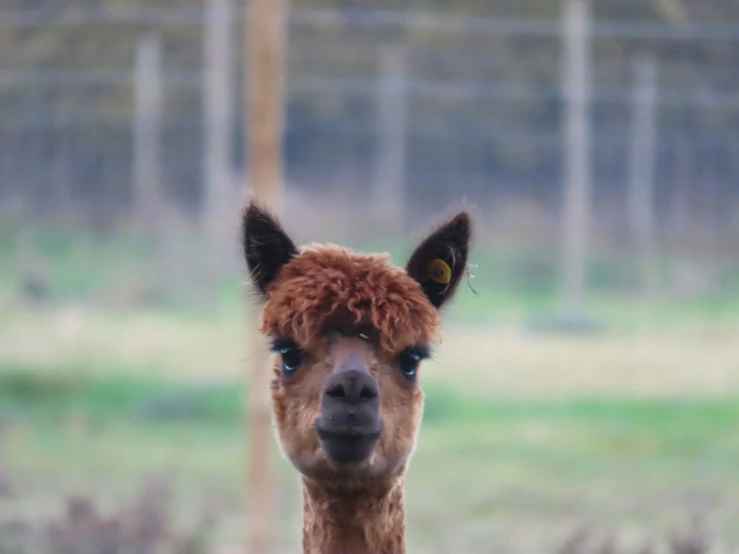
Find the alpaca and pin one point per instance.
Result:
(349, 332)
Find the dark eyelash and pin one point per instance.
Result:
(422, 352)
(282, 343)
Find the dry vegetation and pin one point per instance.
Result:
(496, 361)
(146, 525)
(509, 362)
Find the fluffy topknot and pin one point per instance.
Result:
(327, 285)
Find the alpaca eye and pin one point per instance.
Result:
(292, 356)
(409, 360)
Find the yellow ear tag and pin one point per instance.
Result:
(440, 272)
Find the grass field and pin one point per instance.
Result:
(525, 438)
(487, 472)
(527, 435)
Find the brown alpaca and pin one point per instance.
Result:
(349, 332)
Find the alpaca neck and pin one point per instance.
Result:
(356, 521)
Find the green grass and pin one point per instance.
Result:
(60, 392)
(98, 398)
(576, 435)
(485, 467)
(511, 285)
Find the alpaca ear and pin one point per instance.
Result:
(439, 262)
(267, 248)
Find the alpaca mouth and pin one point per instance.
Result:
(349, 444)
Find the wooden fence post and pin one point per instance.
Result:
(389, 187)
(147, 135)
(217, 123)
(641, 172)
(266, 43)
(576, 216)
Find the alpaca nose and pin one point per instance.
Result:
(350, 425)
(351, 387)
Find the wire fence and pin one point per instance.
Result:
(403, 112)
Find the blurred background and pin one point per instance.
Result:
(584, 397)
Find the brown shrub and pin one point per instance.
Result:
(144, 526)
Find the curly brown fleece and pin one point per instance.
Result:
(328, 284)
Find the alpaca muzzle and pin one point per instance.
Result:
(350, 425)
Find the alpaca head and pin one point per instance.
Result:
(349, 332)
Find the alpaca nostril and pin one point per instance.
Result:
(351, 387)
(337, 391)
